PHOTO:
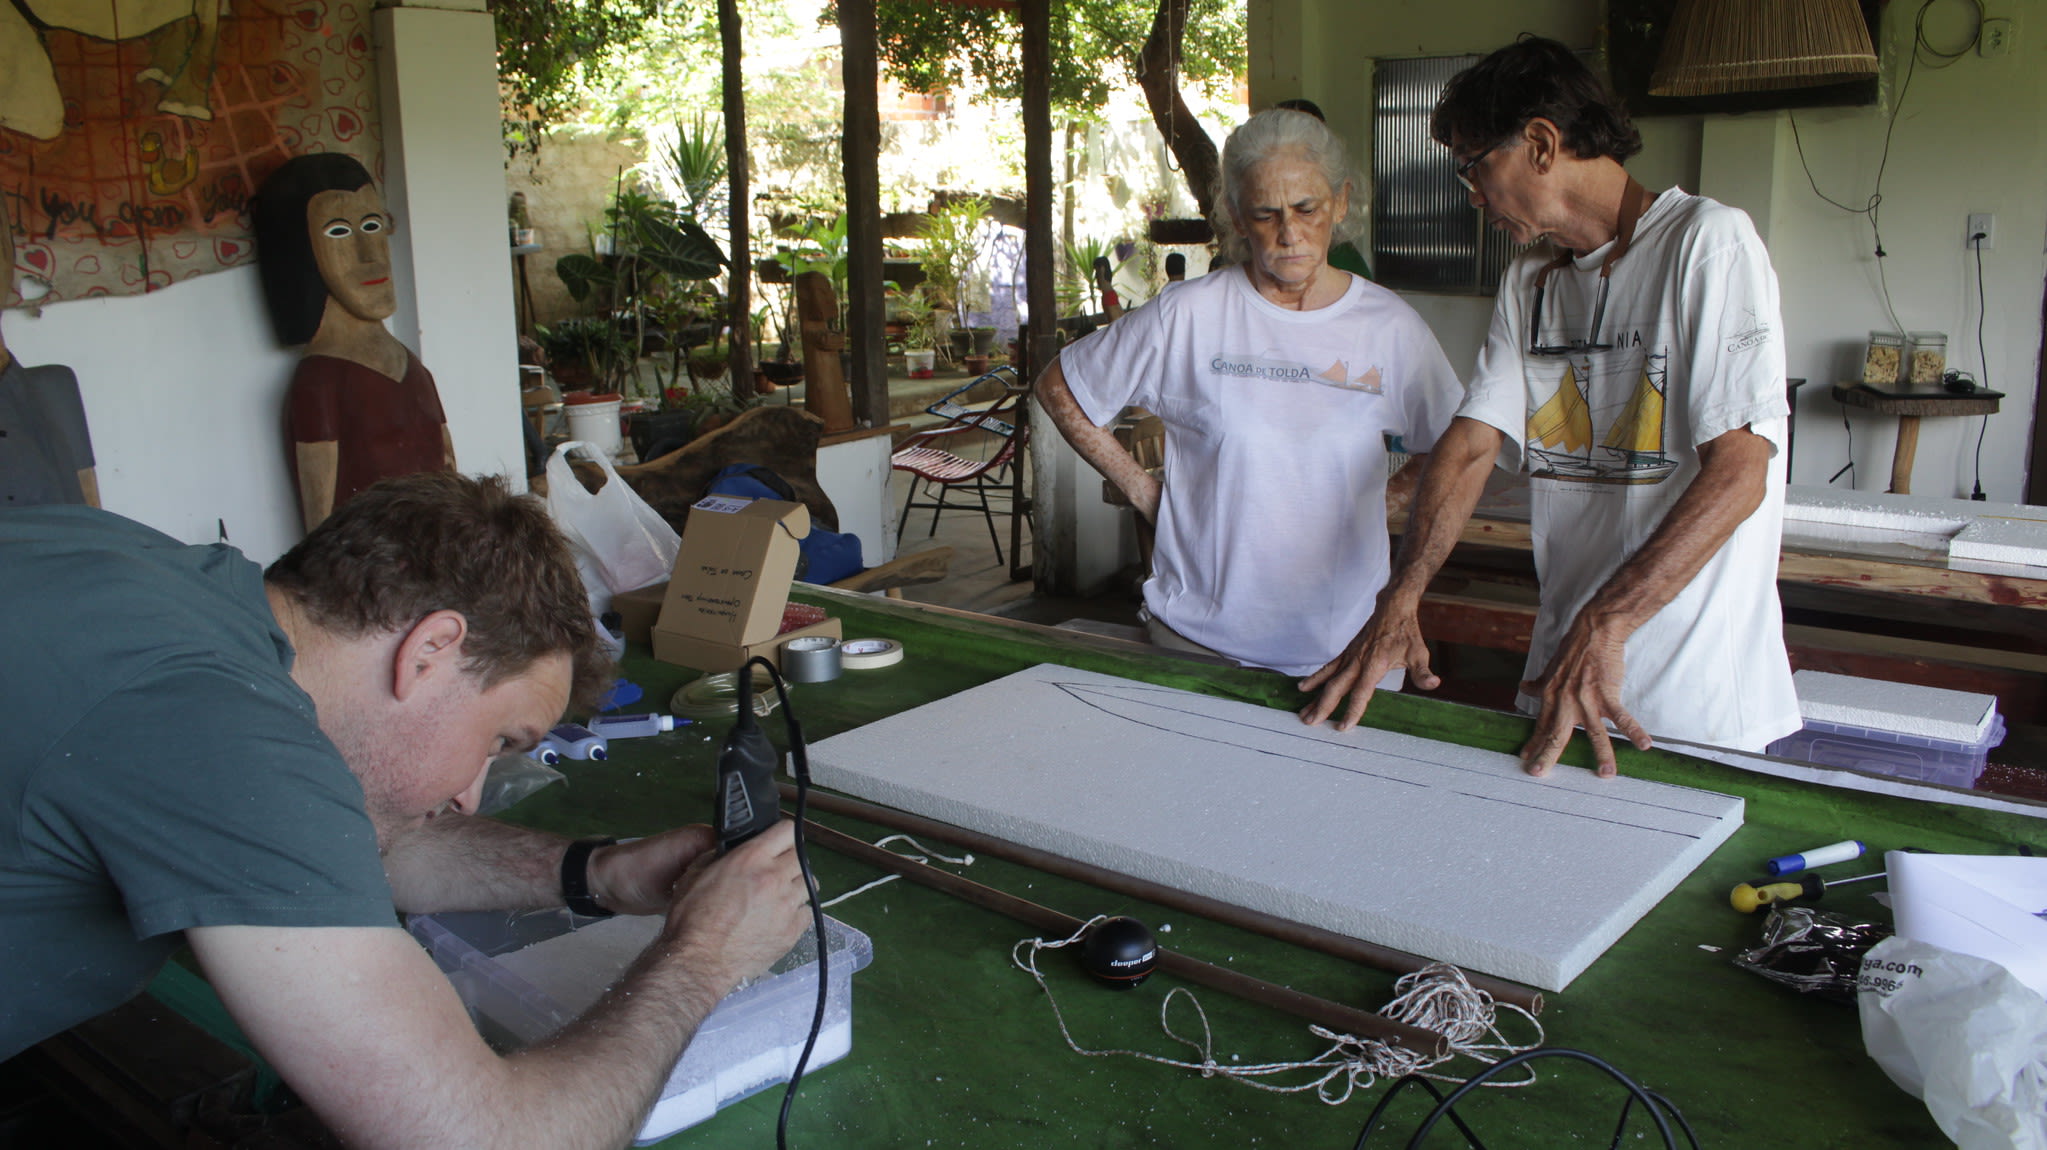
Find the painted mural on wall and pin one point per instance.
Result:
(133, 132)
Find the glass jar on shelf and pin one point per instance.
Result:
(1925, 356)
(1883, 362)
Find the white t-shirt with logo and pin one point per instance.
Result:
(1271, 541)
(1609, 439)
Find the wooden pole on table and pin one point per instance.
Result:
(1258, 922)
(1334, 1016)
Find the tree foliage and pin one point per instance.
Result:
(934, 47)
(546, 47)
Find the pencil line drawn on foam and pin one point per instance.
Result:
(1403, 841)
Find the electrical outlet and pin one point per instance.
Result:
(1984, 224)
(1995, 37)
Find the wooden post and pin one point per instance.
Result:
(1903, 455)
(860, 151)
(1038, 269)
(824, 381)
(739, 284)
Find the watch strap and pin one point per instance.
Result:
(576, 878)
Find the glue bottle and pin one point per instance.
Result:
(543, 754)
(632, 726)
(576, 741)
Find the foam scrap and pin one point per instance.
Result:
(1900, 708)
(1921, 514)
(2003, 540)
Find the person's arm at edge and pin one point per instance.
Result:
(1451, 483)
(373, 1036)
(1095, 444)
(1581, 686)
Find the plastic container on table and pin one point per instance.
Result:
(1903, 756)
(748, 1044)
(1883, 359)
(1925, 356)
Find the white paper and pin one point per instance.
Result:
(1985, 905)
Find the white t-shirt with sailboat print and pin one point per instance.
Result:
(1271, 543)
(1609, 440)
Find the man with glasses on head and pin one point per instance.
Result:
(1635, 372)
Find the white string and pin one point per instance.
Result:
(927, 855)
(1437, 997)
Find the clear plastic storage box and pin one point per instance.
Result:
(1903, 756)
(748, 1044)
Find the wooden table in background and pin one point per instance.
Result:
(1910, 405)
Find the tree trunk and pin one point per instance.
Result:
(1158, 71)
(739, 286)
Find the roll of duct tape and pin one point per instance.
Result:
(811, 659)
(867, 654)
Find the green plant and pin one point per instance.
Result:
(656, 279)
(1077, 279)
(589, 349)
(950, 237)
(695, 162)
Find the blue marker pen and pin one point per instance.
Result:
(575, 741)
(1817, 857)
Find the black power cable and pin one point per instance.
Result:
(1982, 357)
(1659, 1108)
(799, 768)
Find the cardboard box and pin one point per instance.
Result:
(709, 656)
(639, 610)
(731, 581)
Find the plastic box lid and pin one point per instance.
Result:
(749, 1043)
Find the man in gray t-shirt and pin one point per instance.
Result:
(266, 766)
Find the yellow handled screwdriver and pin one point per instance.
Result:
(1750, 897)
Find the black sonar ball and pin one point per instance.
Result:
(1119, 952)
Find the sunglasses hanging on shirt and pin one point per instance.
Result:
(1633, 200)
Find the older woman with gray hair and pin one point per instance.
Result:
(1283, 384)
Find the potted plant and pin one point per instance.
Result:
(586, 353)
(951, 236)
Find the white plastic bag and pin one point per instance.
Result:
(1964, 1036)
(621, 544)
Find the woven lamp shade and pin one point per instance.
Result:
(1715, 47)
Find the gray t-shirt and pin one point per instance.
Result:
(43, 439)
(161, 769)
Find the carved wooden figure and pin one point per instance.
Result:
(362, 407)
(45, 448)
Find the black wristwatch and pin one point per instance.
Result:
(576, 878)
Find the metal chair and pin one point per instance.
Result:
(932, 465)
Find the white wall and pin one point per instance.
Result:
(184, 391)
(1970, 138)
(184, 388)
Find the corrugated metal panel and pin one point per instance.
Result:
(1426, 236)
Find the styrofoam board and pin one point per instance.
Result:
(2002, 540)
(1882, 510)
(1901, 708)
(1428, 847)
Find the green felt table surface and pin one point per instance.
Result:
(954, 1046)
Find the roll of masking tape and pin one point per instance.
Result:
(867, 654)
(811, 659)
